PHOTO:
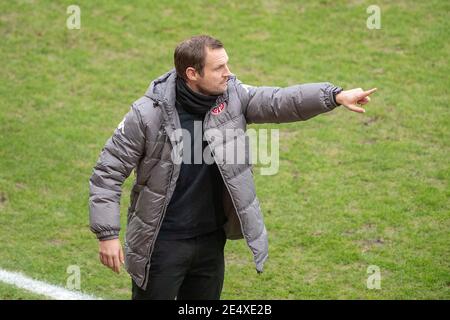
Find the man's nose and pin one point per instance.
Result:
(227, 72)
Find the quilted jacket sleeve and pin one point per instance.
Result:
(294, 103)
(118, 158)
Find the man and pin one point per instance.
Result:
(182, 212)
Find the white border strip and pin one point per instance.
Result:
(40, 287)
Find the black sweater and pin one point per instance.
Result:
(196, 206)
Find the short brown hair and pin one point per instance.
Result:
(192, 53)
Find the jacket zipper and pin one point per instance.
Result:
(223, 178)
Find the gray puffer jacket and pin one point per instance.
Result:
(146, 141)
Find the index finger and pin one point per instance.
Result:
(368, 92)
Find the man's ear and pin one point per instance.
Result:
(191, 74)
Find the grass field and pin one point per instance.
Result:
(353, 190)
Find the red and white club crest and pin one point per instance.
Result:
(216, 110)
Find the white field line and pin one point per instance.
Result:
(40, 287)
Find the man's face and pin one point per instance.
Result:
(215, 73)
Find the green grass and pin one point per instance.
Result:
(352, 190)
(9, 292)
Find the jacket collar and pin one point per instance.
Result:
(163, 90)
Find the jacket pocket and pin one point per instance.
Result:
(134, 197)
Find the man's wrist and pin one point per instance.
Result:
(337, 96)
